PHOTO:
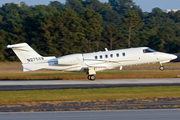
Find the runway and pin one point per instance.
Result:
(143, 114)
(7, 85)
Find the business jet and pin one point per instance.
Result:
(89, 62)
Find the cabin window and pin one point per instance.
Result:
(106, 56)
(123, 54)
(95, 57)
(117, 55)
(111, 55)
(148, 50)
(100, 56)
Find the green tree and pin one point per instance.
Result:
(122, 6)
(58, 33)
(91, 21)
(111, 34)
(132, 20)
(167, 35)
(2, 45)
(44, 10)
(75, 5)
(177, 16)
(59, 6)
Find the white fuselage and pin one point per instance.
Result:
(109, 59)
(89, 62)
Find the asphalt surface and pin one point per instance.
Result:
(67, 84)
(98, 105)
(123, 104)
(143, 114)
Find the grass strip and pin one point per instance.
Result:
(114, 74)
(10, 97)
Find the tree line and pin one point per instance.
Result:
(80, 26)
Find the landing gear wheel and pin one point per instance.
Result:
(161, 68)
(91, 77)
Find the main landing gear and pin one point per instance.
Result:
(91, 77)
(91, 73)
(161, 67)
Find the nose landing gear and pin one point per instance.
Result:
(161, 67)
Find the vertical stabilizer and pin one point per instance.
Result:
(30, 58)
(25, 53)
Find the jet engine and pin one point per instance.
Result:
(70, 59)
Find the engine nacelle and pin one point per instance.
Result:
(70, 59)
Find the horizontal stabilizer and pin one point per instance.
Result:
(17, 45)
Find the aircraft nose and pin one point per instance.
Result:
(166, 56)
(173, 57)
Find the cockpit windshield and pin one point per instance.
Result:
(148, 50)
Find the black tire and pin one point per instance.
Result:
(161, 68)
(89, 77)
(93, 77)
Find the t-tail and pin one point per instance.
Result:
(30, 59)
